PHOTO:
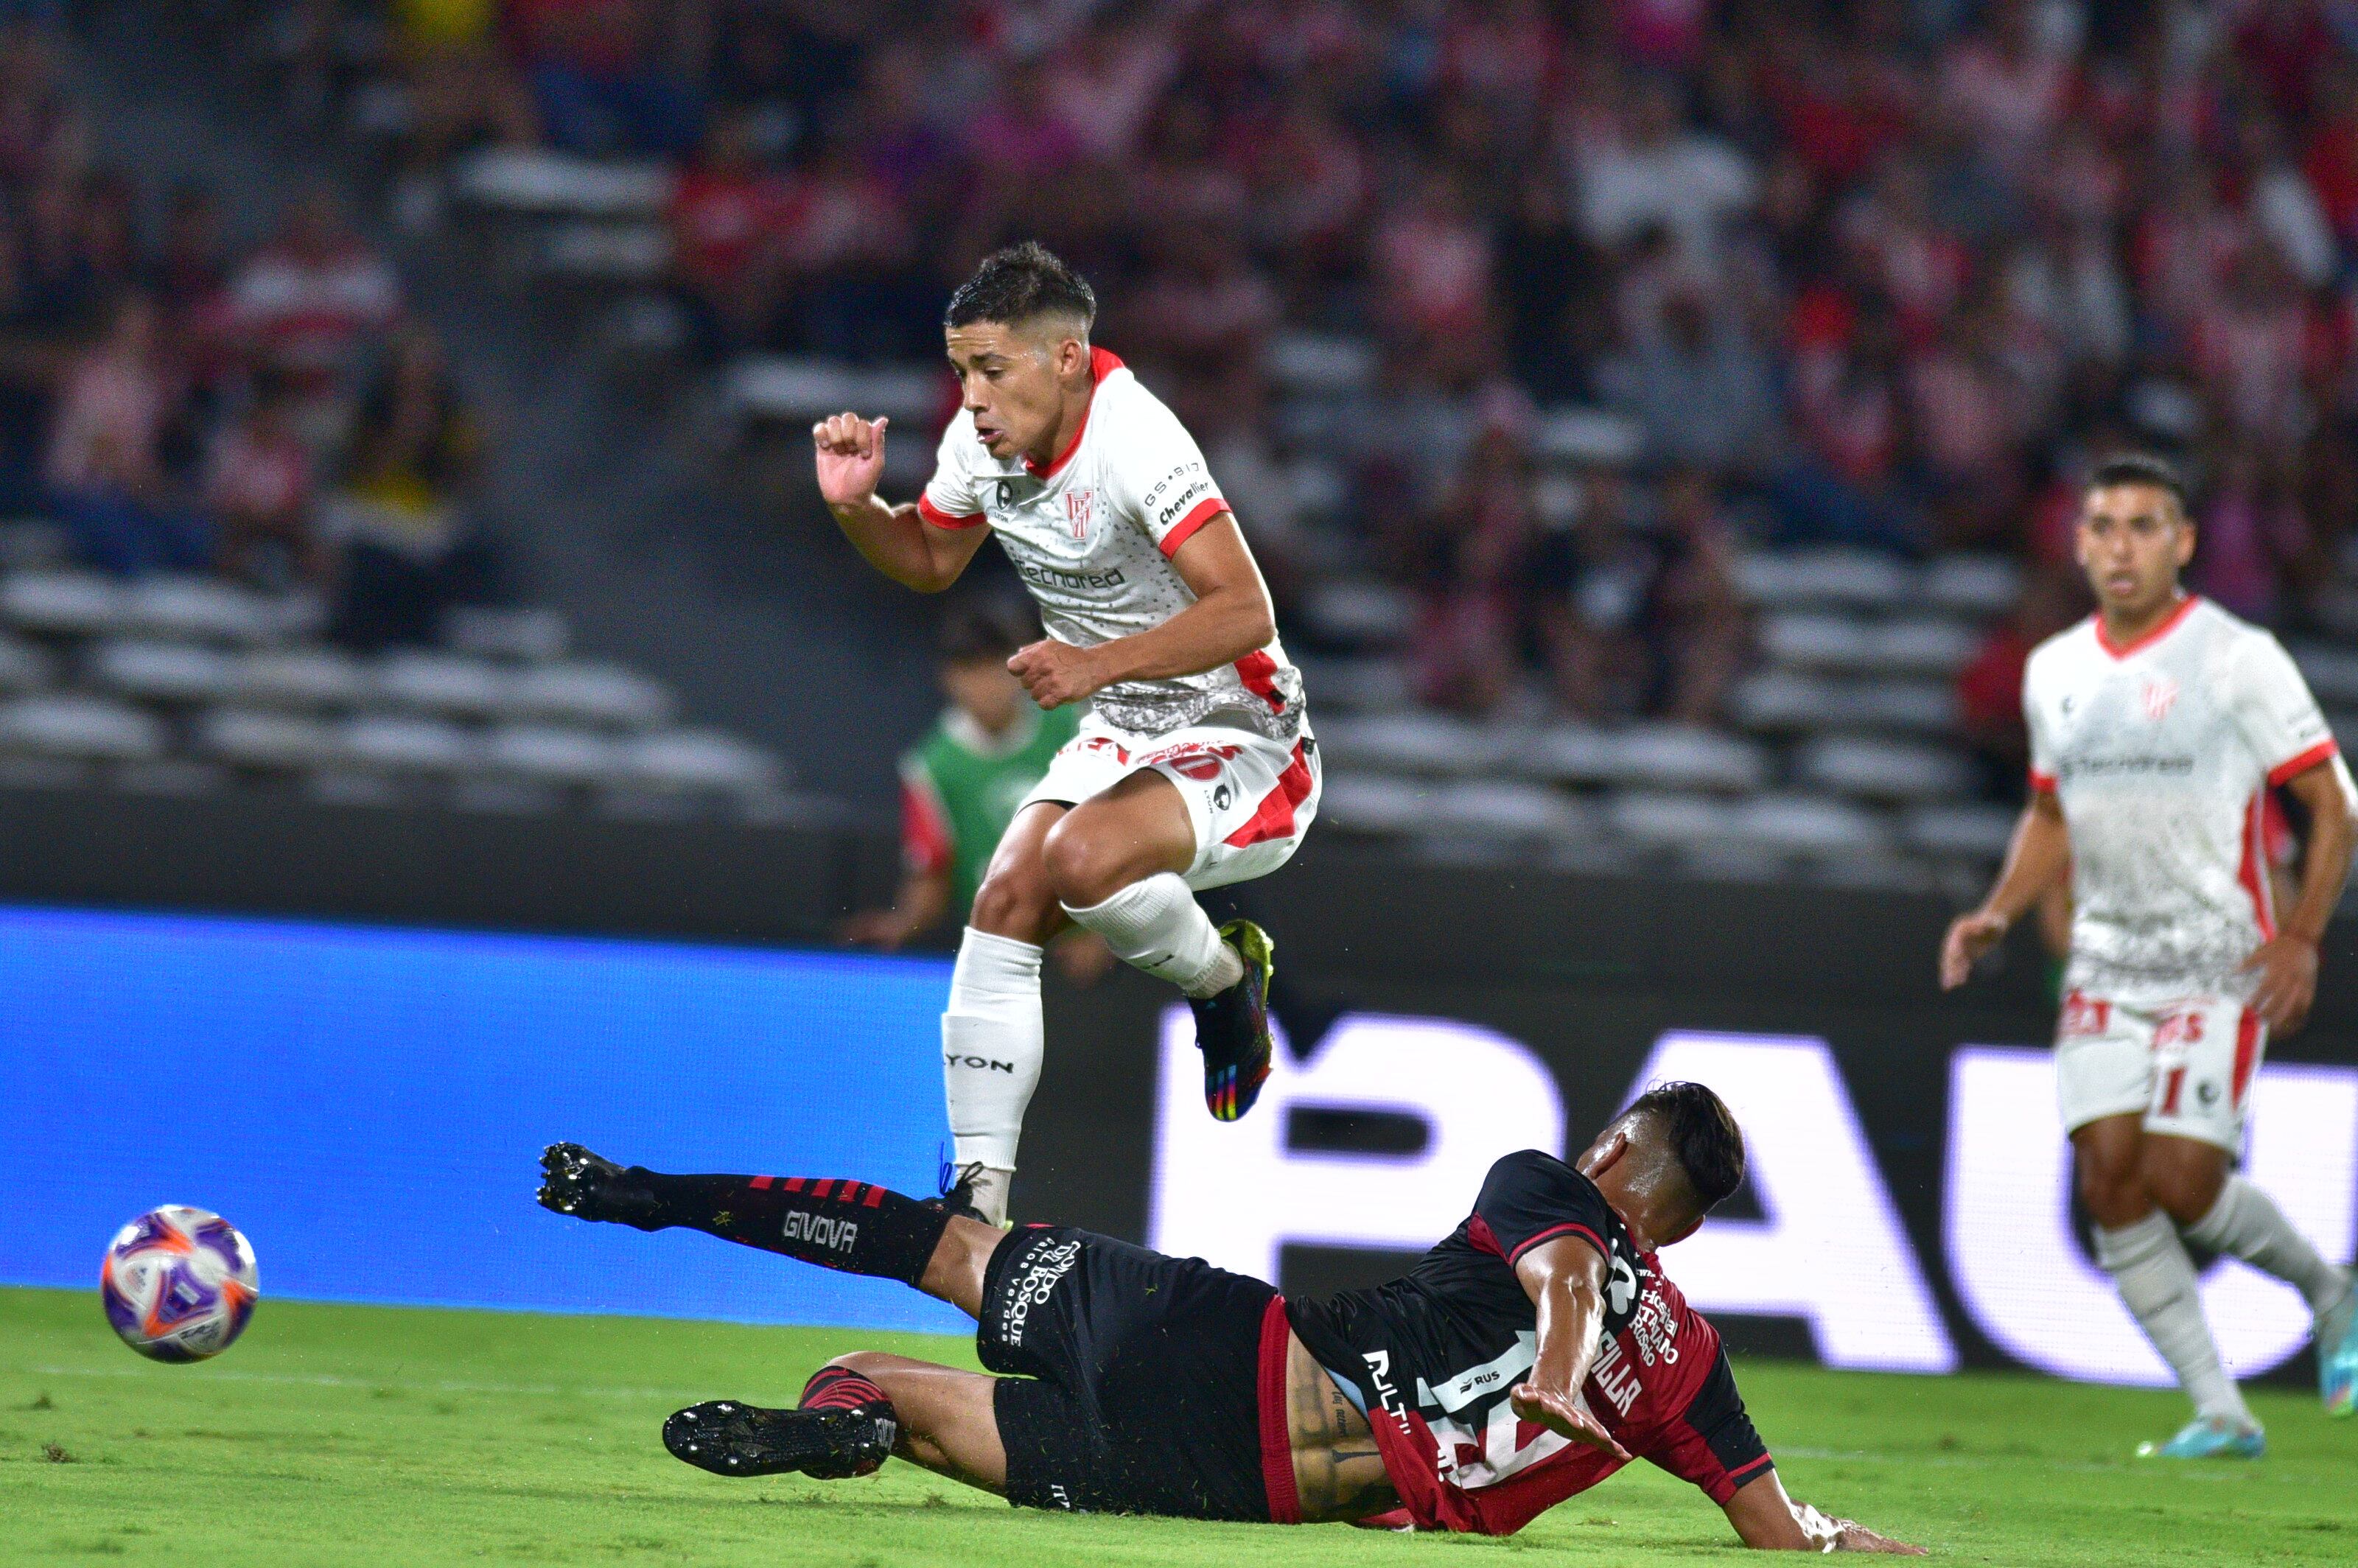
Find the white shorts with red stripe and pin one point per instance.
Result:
(1251, 799)
(2185, 1064)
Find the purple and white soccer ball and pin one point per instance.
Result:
(178, 1283)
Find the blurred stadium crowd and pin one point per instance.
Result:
(239, 517)
(1659, 418)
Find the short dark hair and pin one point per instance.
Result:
(1020, 284)
(2138, 467)
(1699, 1132)
(977, 629)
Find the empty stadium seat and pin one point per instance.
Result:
(790, 388)
(588, 693)
(441, 683)
(1792, 579)
(1498, 808)
(528, 635)
(2331, 672)
(266, 738)
(1313, 364)
(198, 607)
(1658, 820)
(88, 728)
(1678, 756)
(1807, 825)
(1975, 832)
(1815, 642)
(1374, 804)
(299, 678)
(62, 603)
(552, 753)
(1409, 742)
(164, 672)
(403, 744)
(1972, 586)
(536, 180)
(1371, 683)
(1359, 612)
(1922, 648)
(591, 252)
(1882, 770)
(698, 760)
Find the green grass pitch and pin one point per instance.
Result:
(380, 1436)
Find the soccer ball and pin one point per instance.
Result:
(178, 1283)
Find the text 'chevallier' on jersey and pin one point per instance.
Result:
(2162, 754)
(1437, 1352)
(1092, 536)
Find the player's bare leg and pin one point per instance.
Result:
(947, 1422)
(2139, 1246)
(992, 1036)
(2216, 1208)
(1116, 862)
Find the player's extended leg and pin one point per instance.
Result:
(2138, 1245)
(992, 1038)
(2218, 1209)
(1116, 862)
(855, 1411)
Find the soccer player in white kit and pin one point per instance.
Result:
(1195, 767)
(2157, 727)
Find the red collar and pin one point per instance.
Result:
(1103, 363)
(2169, 624)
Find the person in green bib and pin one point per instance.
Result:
(961, 784)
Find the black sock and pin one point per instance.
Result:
(852, 1225)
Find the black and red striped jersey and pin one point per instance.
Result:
(1435, 1352)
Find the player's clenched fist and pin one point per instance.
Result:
(1056, 672)
(851, 458)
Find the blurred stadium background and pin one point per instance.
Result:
(1659, 419)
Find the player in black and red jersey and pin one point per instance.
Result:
(1531, 1354)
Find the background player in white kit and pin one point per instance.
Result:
(1195, 766)
(2157, 727)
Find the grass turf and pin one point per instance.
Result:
(367, 1436)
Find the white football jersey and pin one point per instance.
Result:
(1092, 536)
(2162, 753)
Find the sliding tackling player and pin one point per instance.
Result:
(1525, 1359)
(1195, 767)
(2157, 727)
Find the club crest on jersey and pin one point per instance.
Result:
(1080, 509)
(2159, 696)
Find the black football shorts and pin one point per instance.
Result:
(1137, 1378)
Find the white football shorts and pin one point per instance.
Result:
(1249, 798)
(2186, 1064)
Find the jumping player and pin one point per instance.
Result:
(1524, 1360)
(2157, 728)
(1195, 767)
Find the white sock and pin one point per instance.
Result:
(2155, 1278)
(991, 1046)
(1156, 924)
(2247, 1223)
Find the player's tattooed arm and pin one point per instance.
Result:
(1338, 1474)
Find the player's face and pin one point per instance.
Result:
(1013, 382)
(2133, 542)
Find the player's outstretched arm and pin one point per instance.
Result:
(895, 539)
(2038, 858)
(1231, 617)
(1565, 1280)
(2287, 962)
(1769, 1521)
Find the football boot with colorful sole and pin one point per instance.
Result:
(1232, 1027)
(2208, 1437)
(732, 1439)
